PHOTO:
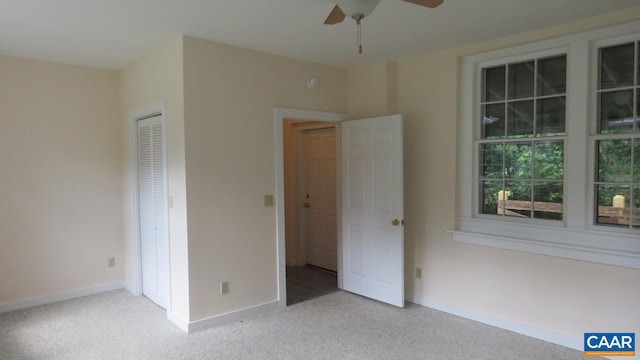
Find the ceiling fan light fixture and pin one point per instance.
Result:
(357, 8)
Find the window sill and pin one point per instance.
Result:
(577, 244)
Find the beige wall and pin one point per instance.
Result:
(371, 90)
(230, 94)
(159, 77)
(559, 295)
(61, 156)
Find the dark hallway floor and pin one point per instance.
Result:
(308, 282)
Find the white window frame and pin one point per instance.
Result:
(576, 236)
(594, 135)
(477, 128)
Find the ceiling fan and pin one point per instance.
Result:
(359, 9)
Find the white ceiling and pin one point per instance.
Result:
(112, 33)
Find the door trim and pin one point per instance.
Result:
(133, 243)
(279, 115)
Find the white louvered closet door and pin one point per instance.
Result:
(152, 200)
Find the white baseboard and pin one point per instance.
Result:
(47, 299)
(238, 315)
(133, 288)
(179, 321)
(502, 323)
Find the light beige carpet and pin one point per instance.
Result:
(118, 325)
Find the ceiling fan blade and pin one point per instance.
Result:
(427, 3)
(336, 16)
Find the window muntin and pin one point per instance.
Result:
(577, 236)
(521, 151)
(617, 178)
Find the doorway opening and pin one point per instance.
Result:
(311, 207)
(370, 245)
(292, 254)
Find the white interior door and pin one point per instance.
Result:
(320, 198)
(152, 200)
(372, 208)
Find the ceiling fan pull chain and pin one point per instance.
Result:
(359, 38)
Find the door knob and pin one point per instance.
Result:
(395, 222)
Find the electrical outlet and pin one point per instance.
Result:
(418, 273)
(224, 288)
(268, 200)
(111, 262)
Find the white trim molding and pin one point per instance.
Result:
(502, 323)
(61, 296)
(203, 324)
(586, 245)
(179, 321)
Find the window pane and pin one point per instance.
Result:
(520, 119)
(614, 160)
(491, 160)
(638, 108)
(550, 119)
(493, 121)
(547, 197)
(511, 170)
(636, 159)
(616, 66)
(494, 79)
(521, 80)
(613, 204)
(552, 76)
(636, 206)
(489, 196)
(518, 160)
(519, 198)
(549, 160)
(616, 112)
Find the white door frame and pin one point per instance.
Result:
(143, 112)
(280, 114)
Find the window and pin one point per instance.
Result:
(617, 178)
(549, 144)
(521, 147)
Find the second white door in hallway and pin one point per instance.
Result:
(320, 197)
